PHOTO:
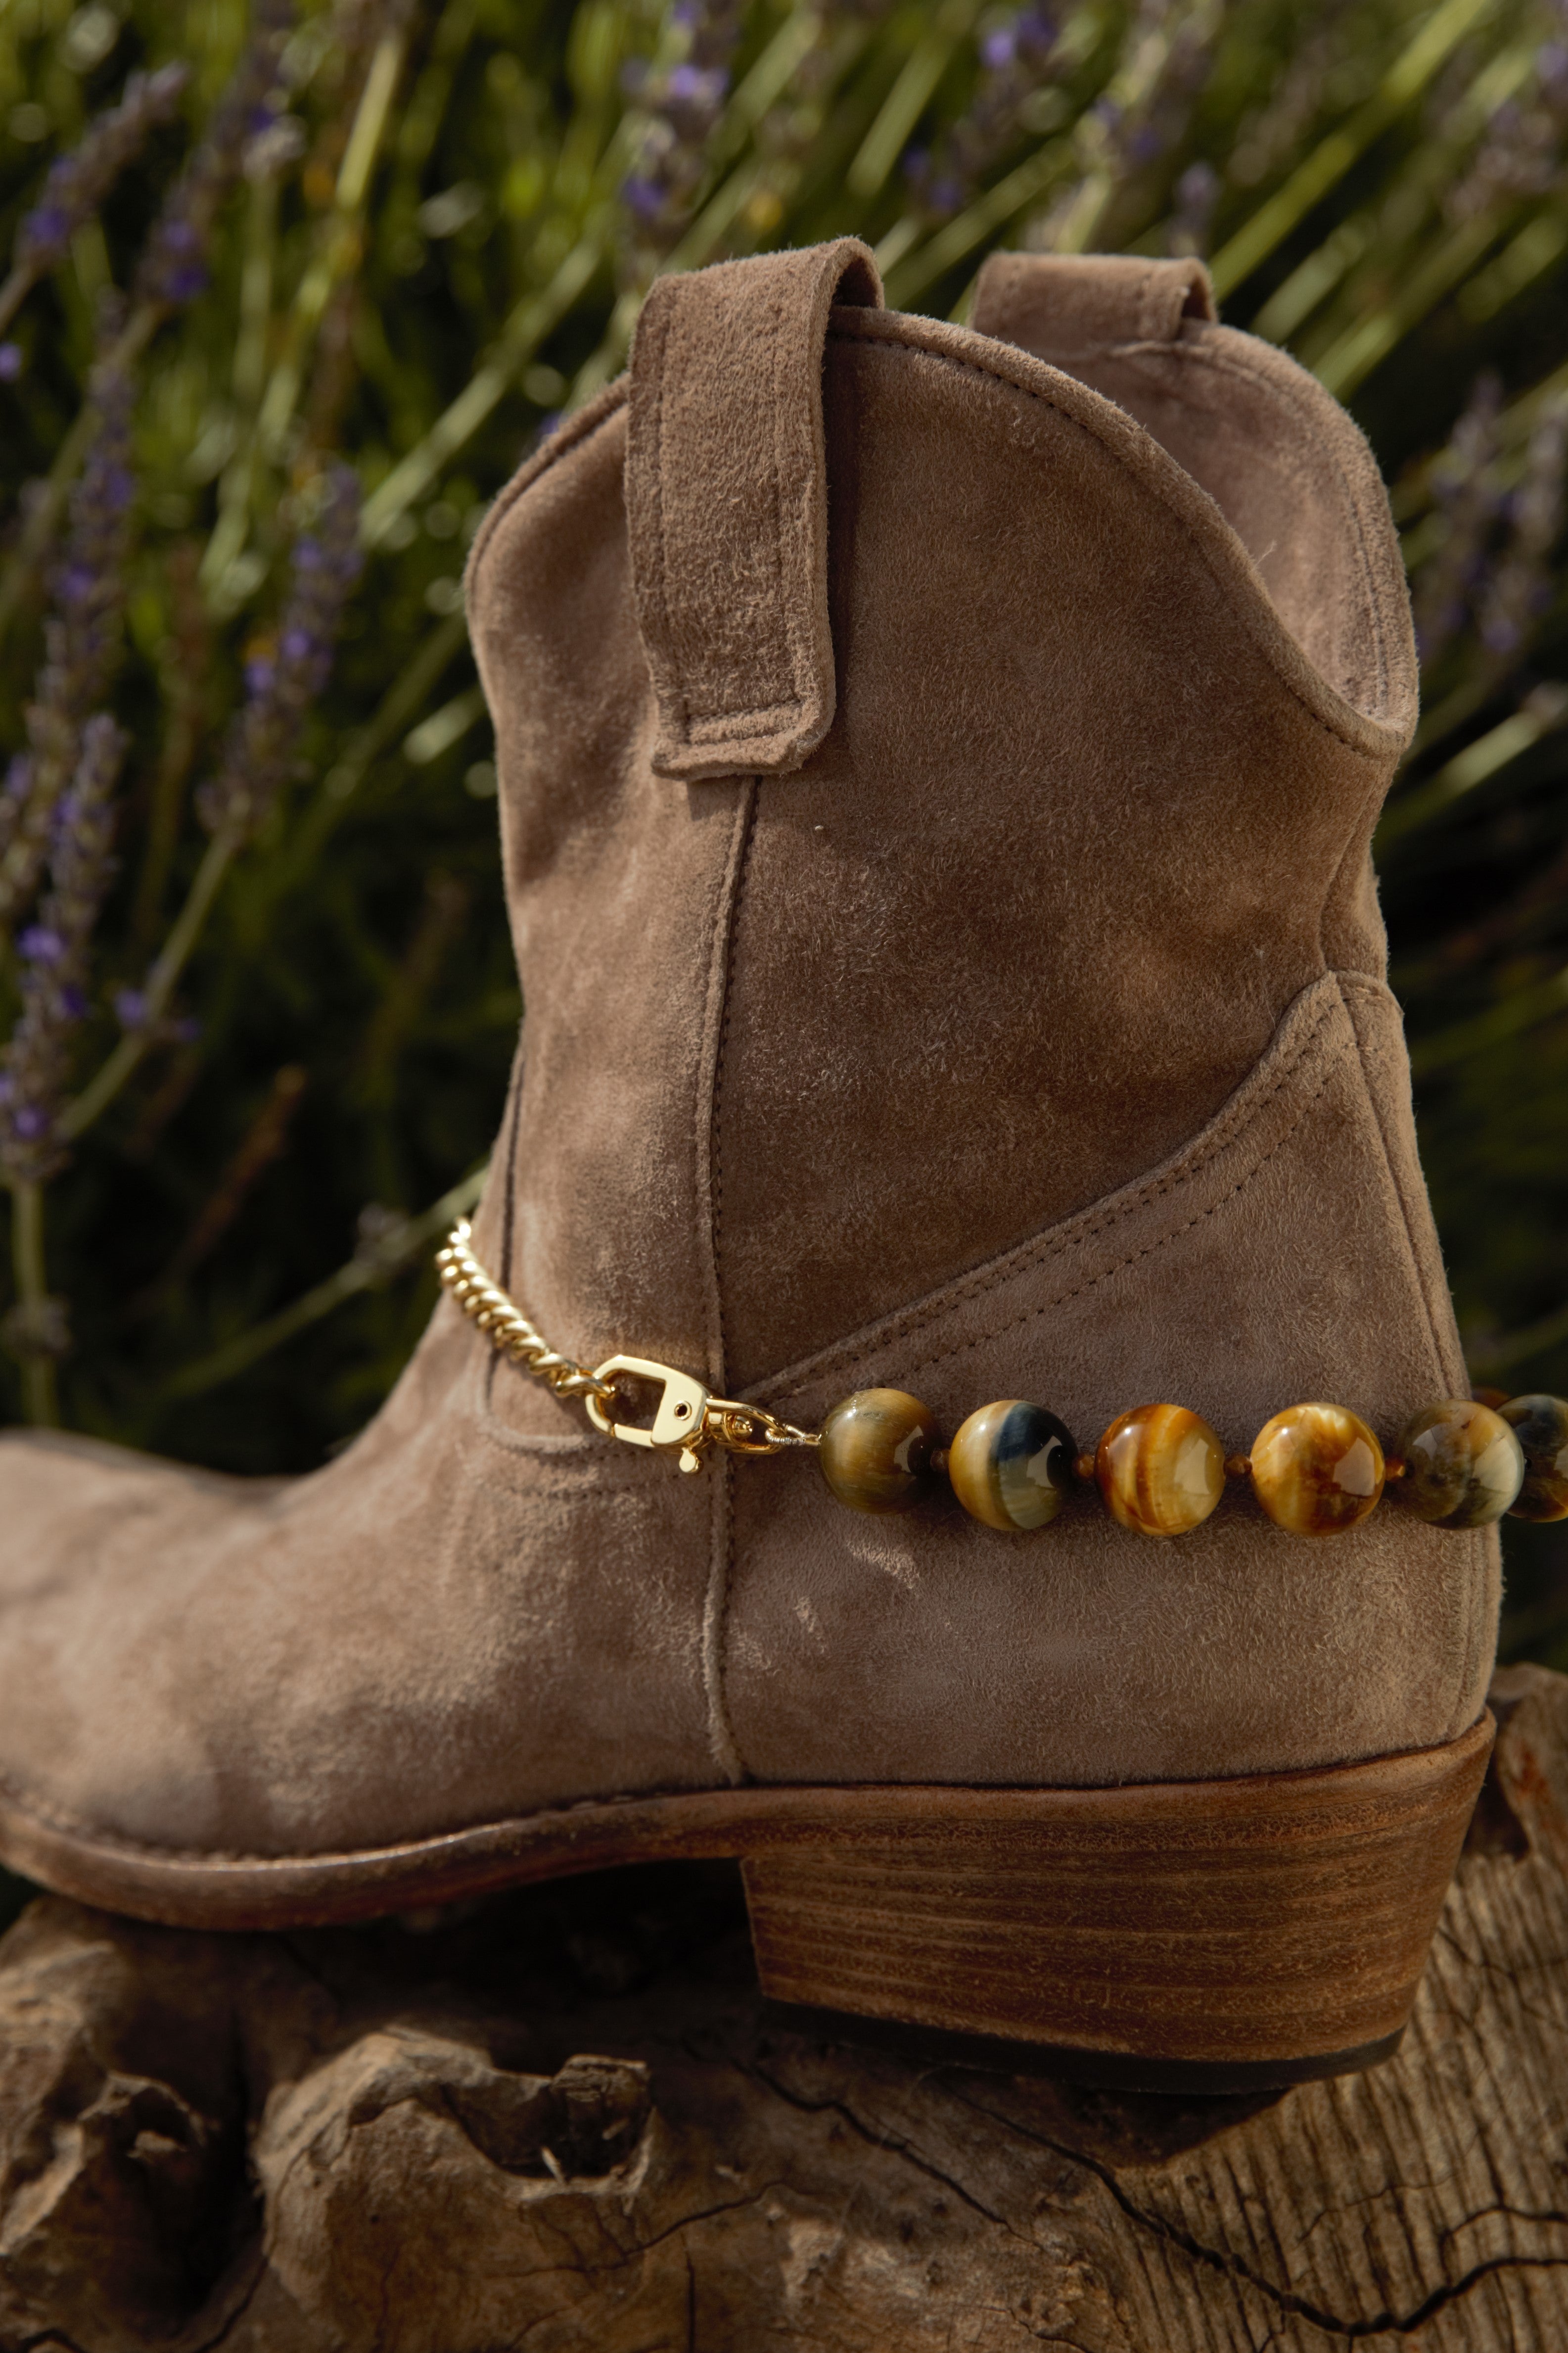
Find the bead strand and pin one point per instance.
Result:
(1316, 1470)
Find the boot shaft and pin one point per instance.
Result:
(921, 801)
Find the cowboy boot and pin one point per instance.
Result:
(937, 772)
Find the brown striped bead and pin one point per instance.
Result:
(1317, 1469)
(1010, 1464)
(1463, 1464)
(1541, 1425)
(876, 1449)
(1161, 1470)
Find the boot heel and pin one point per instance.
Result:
(1198, 1934)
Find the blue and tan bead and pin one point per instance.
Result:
(1317, 1469)
(1464, 1465)
(1541, 1425)
(1011, 1465)
(1159, 1470)
(875, 1451)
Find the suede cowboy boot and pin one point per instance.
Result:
(937, 772)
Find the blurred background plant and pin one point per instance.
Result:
(291, 290)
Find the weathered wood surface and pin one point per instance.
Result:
(565, 2123)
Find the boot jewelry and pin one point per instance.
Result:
(688, 1418)
(1159, 1470)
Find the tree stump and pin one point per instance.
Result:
(564, 2120)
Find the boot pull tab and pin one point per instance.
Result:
(726, 492)
(1058, 305)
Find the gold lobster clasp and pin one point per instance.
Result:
(680, 1419)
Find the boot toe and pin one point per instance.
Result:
(92, 1735)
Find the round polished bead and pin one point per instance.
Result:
(1463, 1464)
(1161, 1470)
(875, 1451)
(1010, 1464)
(1317, 1469)
(1541, 1425)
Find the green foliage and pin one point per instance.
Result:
(441, 242)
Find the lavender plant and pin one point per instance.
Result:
(78, 183)
(81, 637)
(270, 387)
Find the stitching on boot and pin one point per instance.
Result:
(1363, 984)
(1227, 360)
(1172, 1234)
(867, 334)
(673, 714)
(1477, 1633)
(601, 410)
(508, 1159)
(1232, 1120)
(710, 1195)
(724, 972)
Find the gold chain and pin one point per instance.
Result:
(689, 1416)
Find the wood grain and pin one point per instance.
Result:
(564, 2121)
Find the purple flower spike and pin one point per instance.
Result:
(10, 363)
(1017, 57)
(82, 639)
(173, 267)
(78, 183)
(56, 952)
(131, 1007)
(280, 688)
(679, 102)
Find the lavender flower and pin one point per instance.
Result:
(173, 266)
(680, 99)
(78, 183)
(1519, 590)
(1143, 114)
(1467, 497)
(1521, 153)
(55, 953)
(1020, 56)
(82, 638)
(284, 681)
(1191, 211)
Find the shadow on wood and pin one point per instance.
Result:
(565, 2121)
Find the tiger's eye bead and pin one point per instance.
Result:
(1317, 1469)
(875, 1451)
(1463, 1465)
(1161, 1470)
(1541, 1425)
(1010, 1464)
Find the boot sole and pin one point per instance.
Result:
(1191, 1935)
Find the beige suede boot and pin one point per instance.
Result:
(937, 774)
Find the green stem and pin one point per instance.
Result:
(1326, 167)
(533, 320)
(341, 248)
(101, 1090)
(39, 1400)
(13, 294)
(364, 1271)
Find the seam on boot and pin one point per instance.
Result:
(1481, 1541)
(1246, 1104)
(1365, 984)
(710, 1203)
(562, 442)
(1258, 613)
(1161, 1242)
(1232, 358)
